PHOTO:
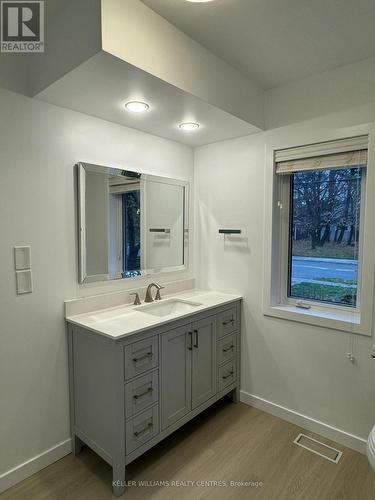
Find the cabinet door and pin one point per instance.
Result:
(203, 361)
(176, 349)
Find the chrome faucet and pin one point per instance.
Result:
(148, 297)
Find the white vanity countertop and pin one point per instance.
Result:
(120, 321)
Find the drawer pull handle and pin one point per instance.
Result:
(143, 431)
(230, 348)
(196, 344)
(229, 375)
(190, 347)
(225, 323)
(148, 355)
(149, 390)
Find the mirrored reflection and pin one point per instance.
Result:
(130, 223)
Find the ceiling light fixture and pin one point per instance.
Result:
(199, 1)
(189, 126)
(137, 106)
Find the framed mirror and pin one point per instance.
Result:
(130, 224)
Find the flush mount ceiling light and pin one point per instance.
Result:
(189, 126)
(199, 1)
(137, 106)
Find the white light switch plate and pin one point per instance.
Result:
(22, 258)
(24, 282)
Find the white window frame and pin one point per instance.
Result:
(276, 303)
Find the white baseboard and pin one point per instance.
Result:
(342, 437)
(35, 464)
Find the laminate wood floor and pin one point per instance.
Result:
(228, 442)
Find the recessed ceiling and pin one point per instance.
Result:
(102, 86)
(274, 42)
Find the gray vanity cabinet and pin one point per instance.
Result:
(203, 380)
(176, 348)
(188, 368)
(129, 393)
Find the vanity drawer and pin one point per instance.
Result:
(227, 321)
(227, 374)
(141, 393)
(142, 428)
(227, 348)
(141, 356)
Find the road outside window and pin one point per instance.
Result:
(325, 207)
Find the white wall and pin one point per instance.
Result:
(329, 92)
(302, 368)
(39, 145)
(15, 72)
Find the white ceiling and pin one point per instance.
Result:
(103, 84)
(277, 41)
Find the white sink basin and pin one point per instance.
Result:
(168, 307)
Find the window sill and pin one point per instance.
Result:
(347, 321)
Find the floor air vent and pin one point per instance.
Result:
(318, 448)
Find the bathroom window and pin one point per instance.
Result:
(317, 241)
(324, 235)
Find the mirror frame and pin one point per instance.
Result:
(81, 168)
